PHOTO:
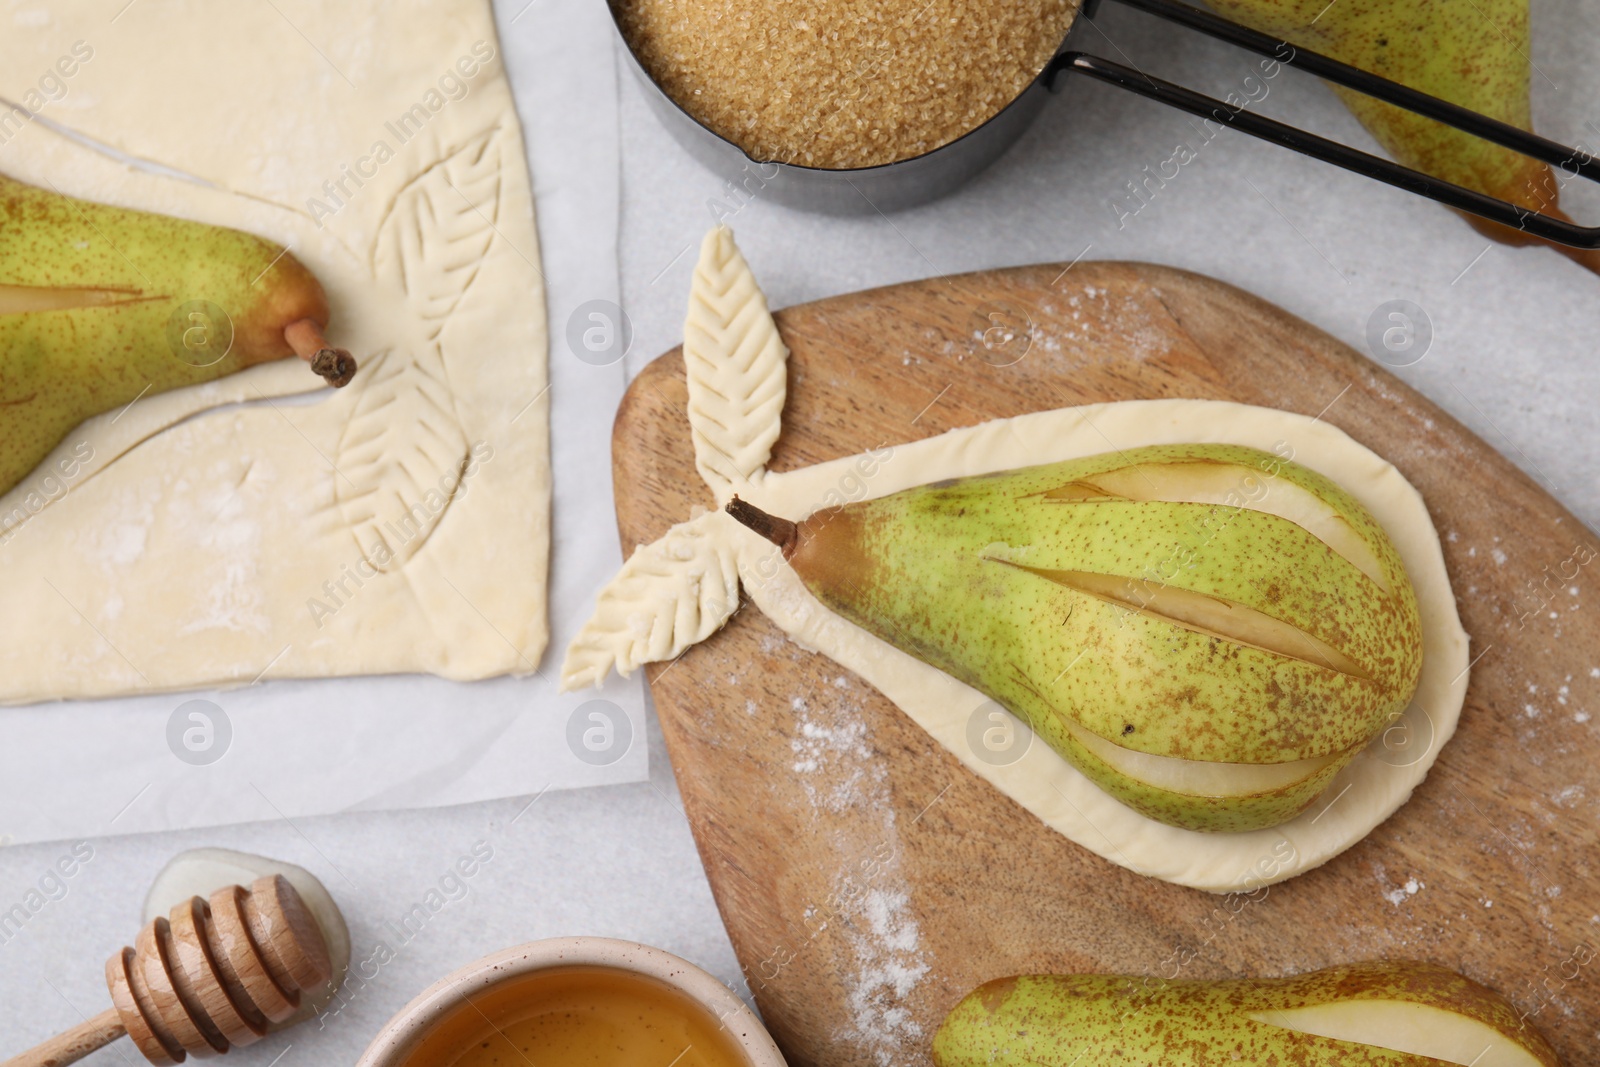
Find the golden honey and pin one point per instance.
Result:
(579, 1017)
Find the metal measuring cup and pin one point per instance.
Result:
(919, 179)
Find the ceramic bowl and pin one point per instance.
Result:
(495, 978)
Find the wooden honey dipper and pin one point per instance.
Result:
(206, 978)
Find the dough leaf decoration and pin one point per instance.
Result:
(669, 595)
(680, 590)
(403, 450)
(736, 365)
(684, 587)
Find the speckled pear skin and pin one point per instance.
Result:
(1130, 1021)
(1472, 53)
(60, 367)
(919, 570)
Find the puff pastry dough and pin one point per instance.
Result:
(238, 530)
(659, 605)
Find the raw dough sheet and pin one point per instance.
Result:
(191, 551)
(683, 587)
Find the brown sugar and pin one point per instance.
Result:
(840, 84)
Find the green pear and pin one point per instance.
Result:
(1208, 632)
(1387, 1013)
(102, 305)
(1470, 52)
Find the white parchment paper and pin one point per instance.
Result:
(299, 748)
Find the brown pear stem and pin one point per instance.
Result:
(334, 364)
(1588, 258)
(781, 532)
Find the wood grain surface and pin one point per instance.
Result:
(868, 880)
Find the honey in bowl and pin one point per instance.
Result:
(572, 1016)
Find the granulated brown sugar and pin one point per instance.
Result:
(843, 83)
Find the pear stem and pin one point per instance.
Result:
(781, 532)
(335, 364)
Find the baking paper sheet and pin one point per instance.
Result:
(297, 748)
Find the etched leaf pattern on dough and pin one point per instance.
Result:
(403, 449)
(669, 595)
(736, 365)
(682, 588)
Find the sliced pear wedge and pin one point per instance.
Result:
(18, 299)
(1210, 615)
(1210, 482)
(1198, 778)
(1378, 1013)
(1404, 1026)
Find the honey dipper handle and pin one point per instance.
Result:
(74, 1044)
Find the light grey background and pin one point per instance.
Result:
(1511, 358)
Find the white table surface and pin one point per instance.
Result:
(1511, 359)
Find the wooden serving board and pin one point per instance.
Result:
(868, 880)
